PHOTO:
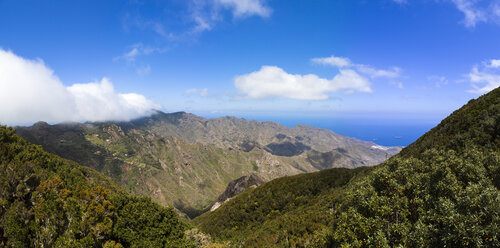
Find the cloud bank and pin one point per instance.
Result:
(485, 77)
(30, 92)
(272, 81)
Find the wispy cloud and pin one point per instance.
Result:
(30, 92)
(477, 11)
(333, 61)
(144, 70)
(137, 50)
(438, 80)
(474, 11)
(473, 14)
(400, 1)
(484, 77)
(393, 72)
(199, 16)
(245, 8)
(494, 63)
(272, 81)
(201, 92)
(342, 62)
(399, 85)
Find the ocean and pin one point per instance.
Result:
(386, 132)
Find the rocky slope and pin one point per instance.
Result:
(235, 187)
(186, 161)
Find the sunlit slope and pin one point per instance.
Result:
(186, 161)
(443, 190)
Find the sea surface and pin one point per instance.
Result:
(386, 132)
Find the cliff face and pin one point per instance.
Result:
(187, 161)
(235, 187)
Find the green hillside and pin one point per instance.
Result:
(47, 201)
(442, 191)
(186, 161)
(286, 211)
(475, 124)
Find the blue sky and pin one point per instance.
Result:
(324, 58)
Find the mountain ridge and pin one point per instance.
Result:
(186, 161)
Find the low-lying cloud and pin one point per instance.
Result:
(272, 81)
(30, 92)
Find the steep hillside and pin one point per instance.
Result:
(235, 187)
(475, 124)
(186, 161)
(47, 201)
(284, 212)
(442, 191)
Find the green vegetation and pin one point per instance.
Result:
(47, 201)
(288, 210)
(441, 191)
(475, 124)
(443, 199)
(186, 161)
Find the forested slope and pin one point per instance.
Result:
(47, 201)
(442, 191)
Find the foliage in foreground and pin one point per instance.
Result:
(443, 199)
(441, 191)
(46, 201)
(287, 211)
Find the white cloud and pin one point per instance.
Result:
(244, 8)
(137, 50)
(332, 61)
(494, 63)
(342, 62)
(472, 13)
(201, 25)
(374, 73)
(129, 56)
(272, 81)
(484, 78)
(194, 18)
(206, 14)
(30, 92)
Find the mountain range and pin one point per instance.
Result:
(186, 161)
(441, 191)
